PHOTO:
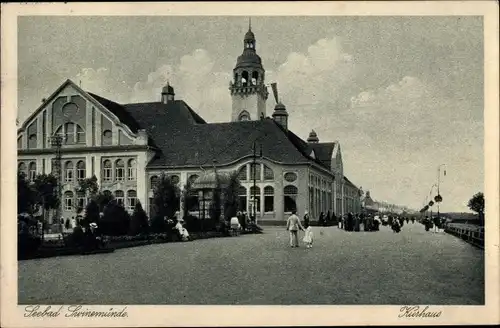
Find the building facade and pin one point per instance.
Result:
(128, 146)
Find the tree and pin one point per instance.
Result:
(165, 198)
(25, 195)
(91, 213)
(231, 199)
(216, 203)
(139, 220)
(102, 199)
(89, 186)
(476, 204)
(46, 193)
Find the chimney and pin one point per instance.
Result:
(167, 94)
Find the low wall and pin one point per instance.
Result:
(473, 234)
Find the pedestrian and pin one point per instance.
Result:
(357, 222)
(308, 236)
(436, 224)
(321, 220)
(306, 218)
(293, 225)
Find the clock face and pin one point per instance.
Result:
(70, 110)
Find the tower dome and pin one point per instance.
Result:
(248, 90)
(313, 137)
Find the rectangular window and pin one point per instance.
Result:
(268, 203)
(81, 201)
(119, 200)
(80, 174)
(68, 204)
(131, 173)
(107, 174)
(290, 203)
(120, 174)
(131, 203)
(69, 175)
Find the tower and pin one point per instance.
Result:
(248, 92)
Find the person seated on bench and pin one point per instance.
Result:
(235, 225)
(183, 233)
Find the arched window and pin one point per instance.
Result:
(68, 172)
(68, 201)
(69, 133)
(107, 137)
(255, 171)
(131, 199)
(80, 170)
(107, 171)
(244, 78)
(175, 179)
(132, 170)
(268, 173)
(32, 171)
(80, 135)
(119, 170)
(153, 182)
(23, 169)
(255, 77)
(290, 198)
(120, 197)
(193, 177)
(268, 199)
(242, 174)
(242, 197)
(244, 116)
(236, 78)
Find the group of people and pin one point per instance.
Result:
(434, 223)
(353, 222)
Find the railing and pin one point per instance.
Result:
(470, 233)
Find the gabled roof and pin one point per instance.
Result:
(323, 152)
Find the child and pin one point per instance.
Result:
(308, 237)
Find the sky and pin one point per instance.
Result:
(402, 95)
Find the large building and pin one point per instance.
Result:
(128, 146)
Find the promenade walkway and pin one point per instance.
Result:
(412, 267)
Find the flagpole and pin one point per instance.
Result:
(439, 180)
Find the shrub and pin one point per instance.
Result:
(27, 244)
(139, 221)
(115, 221)
(158, 224)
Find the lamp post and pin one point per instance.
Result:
(438, 198)
(430, 196)
(56, 141)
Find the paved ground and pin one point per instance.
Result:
(412, 267)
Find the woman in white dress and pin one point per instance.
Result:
(182, 231)
(308, 236)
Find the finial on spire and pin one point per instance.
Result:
(249, 23)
